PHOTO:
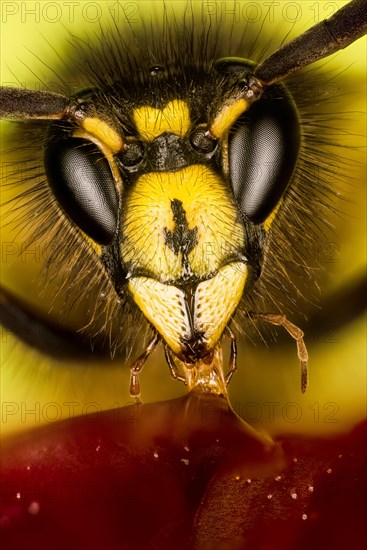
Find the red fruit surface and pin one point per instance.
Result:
(186, 473)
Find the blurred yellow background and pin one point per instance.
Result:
(266, 389)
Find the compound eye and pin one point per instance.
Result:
(202, 142)
(263, 152)
(82, 182)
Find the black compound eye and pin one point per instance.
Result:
(132, 155)
(263, 152)
(83, 184)
(202, 141)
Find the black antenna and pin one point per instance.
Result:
(327, 37)
(333, 34)
(20, 104)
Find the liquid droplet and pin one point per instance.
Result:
(237, 478)
(304, 516)
(295, 459)
(328, 471)
(155, 455)
(248, 480)
(270, 496)
(310, 488)
(33, 508)
(157, 69)
(294, 494)
(18, 495)
(278, 478)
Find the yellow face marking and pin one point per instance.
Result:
(174, 118)
(103, 132)
(215, 300)
(210, 213)
(164, 306)
(227, 116)
(269, 220)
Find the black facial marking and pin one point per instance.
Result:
(181, 239)
(167, 153)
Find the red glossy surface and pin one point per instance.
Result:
(179, 474)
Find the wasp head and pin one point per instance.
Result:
(176, 181)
